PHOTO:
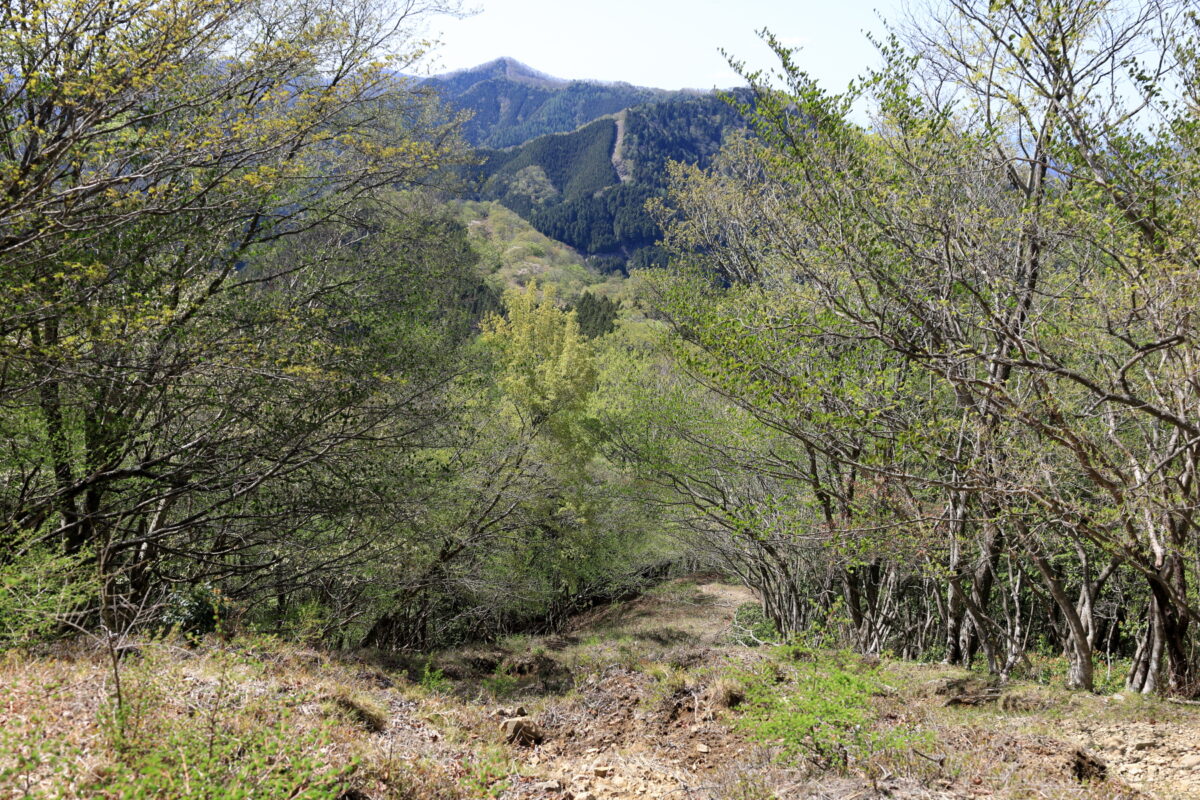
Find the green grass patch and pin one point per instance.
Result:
(488, 773)
(501, 684)
(433, 680)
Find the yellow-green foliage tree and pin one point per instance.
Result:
(971, 315)
(166, 357)
(523, 525)
(546, 363)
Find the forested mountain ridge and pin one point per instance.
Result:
(580, 159)
(589, 188)
(511, 103)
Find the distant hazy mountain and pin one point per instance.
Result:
(512, 103)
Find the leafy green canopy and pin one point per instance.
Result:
(191, 331)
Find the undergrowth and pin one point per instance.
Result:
(241, 720)
(817, 711)
(488, 774)
(500, 684)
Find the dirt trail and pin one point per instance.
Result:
(618, 158)
(704, 610)
(1158, 756)
(625, 702)
(619, 721)
(622, 735)
(633, 700)
(624, 741)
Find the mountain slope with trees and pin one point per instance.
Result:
(579, 160)
(510, 103)
(568, 185)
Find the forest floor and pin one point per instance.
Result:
(649, 698)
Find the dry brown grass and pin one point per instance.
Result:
(725, 693)
(359, 707)
(1025, 743)
(657, 714)
(64, 736)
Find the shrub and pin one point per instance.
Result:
(500, 684)
(433, 680)
(196, 610)
(26, 762)
(817, 711)
(37, 589)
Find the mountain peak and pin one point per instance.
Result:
(513, 70)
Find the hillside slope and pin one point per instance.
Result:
(511, 103)
(589, 188)
(580, 159)
(512, 253)
(651, 698)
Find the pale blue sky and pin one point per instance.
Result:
(670, 44)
